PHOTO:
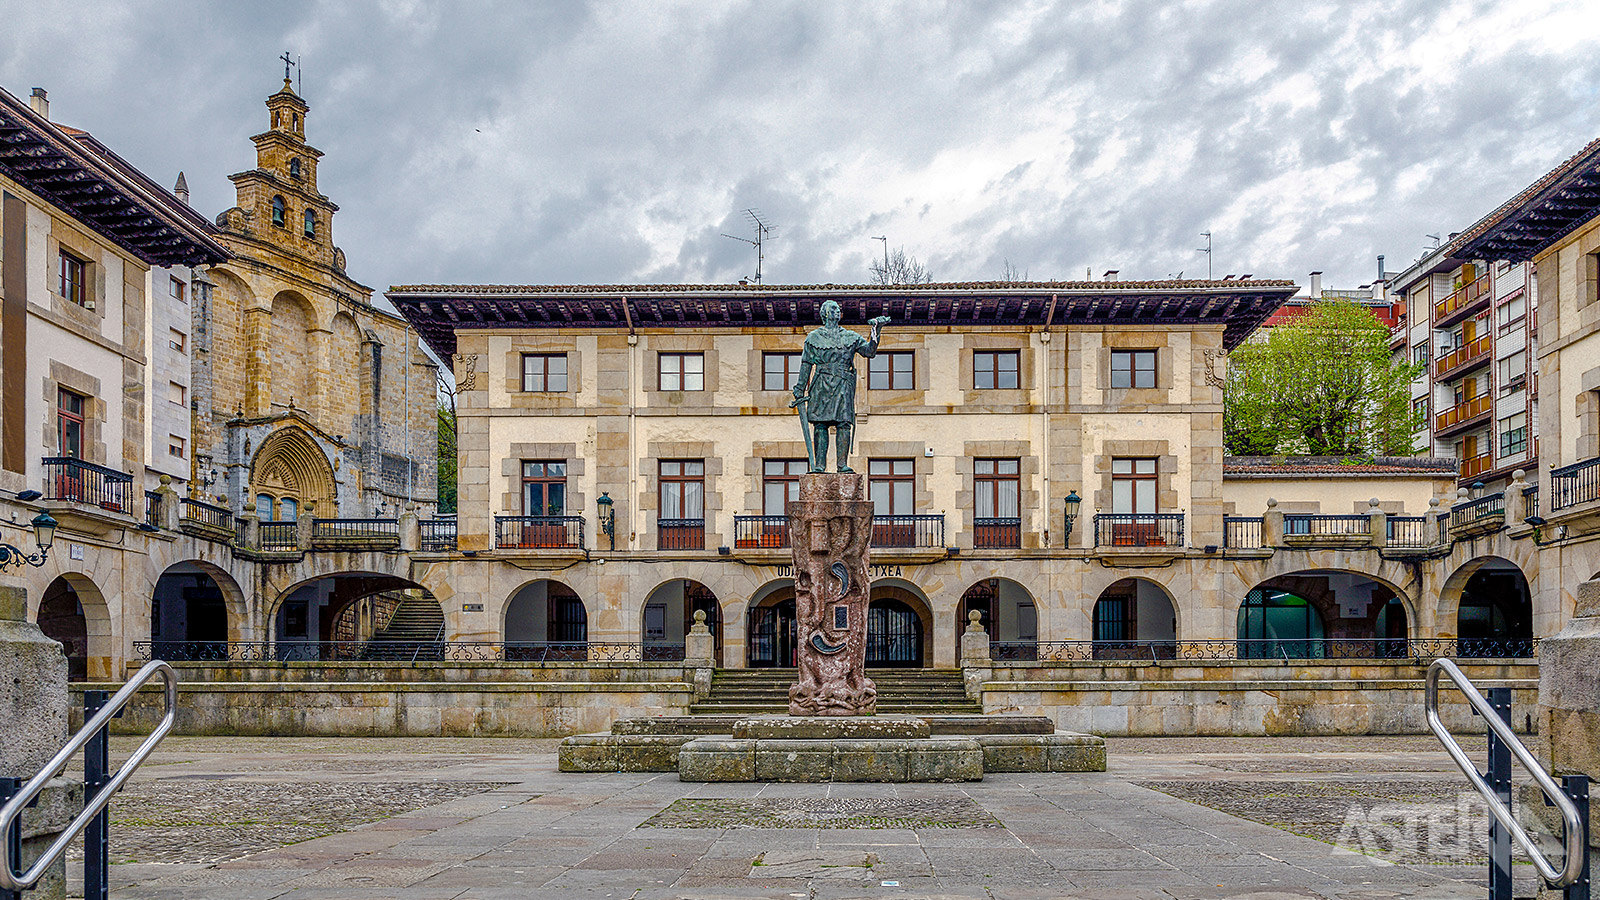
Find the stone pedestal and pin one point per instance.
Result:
(1569, 700)
(33, 718)
(830, 529)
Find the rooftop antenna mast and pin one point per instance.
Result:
(1207, 251)
(885, 240)
(764, 233)
(299, 76)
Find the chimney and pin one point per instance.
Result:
(1381, 275)
(181, 189)
(1316, 285)
(1110, 275)
(40, 102)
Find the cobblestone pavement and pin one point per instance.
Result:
(478, 819)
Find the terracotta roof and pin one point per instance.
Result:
(1544, 212)
(639, 289)
(1338, 467)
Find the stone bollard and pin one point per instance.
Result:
(410, 529)
(700, 655)
(1377, 524)
(33, 717)
(977, 663)
(1272, 525)
(305, 526)
(1569, 697)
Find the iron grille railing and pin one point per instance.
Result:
(1241, 532)
(680, 534)
(402, 651)
(1409, 532)
(1477, 512)
(280, 536)
(78, 481)
(539, 532)
(1138, 529)
(205, 514)
(1330, 526)
(1530, 502)
(908, 531)
(355, 531)
(996, 534)
(438, 535)
(152, 508)
(1575, 484)
(1420, 651)
(760, 532)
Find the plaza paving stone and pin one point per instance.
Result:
(480, 819)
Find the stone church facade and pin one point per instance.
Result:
(308, 399)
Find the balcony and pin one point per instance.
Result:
(437, 535)
(205, 520)
(1398, 334)
(1411, 533)
(1468, 356)
(1574, 485)
(152, 510)
(680, 534)
(996, 534)
(1466, 300)
(355, 534)
(1481, 516)
(1314, 530)
(87, 498)
(1462, 415)
(908, 532)
(761, 532)
(1138, 530)
(1474, 466)
(279, 536)
(1241, 532)
(539, 532)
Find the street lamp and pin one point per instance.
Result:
(608, 517)
(1073, 500)
(44, 531)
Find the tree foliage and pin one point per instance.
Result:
(1325, 384)
(447, 446)
(898, 268)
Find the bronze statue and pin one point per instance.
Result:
(829, 399)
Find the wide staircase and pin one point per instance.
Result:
(900, 691)
(414, 631)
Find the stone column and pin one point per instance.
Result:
(33, 717)
(410, 529)
(1377, 524)
(1569, 701)
(830, 528)
(252, 531)
(305, 526)
(700, 654)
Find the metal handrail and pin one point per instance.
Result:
(10, 879)
(1572, 825)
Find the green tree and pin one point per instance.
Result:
(447, 448)
(1325, 384)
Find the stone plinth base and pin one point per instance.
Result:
(929, 759)
(1064, 752)
(620, 753)
(806, 728)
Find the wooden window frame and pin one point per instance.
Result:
(676, 471)
(65, 417)
(72, 277)
(790, 367)
(987, 364)
(884, 371)
(785, 472)
(545, 479)
(1132, 371)
(893, 478)
(177, 289)
(530, 379)
(675, 365)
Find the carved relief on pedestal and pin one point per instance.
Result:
(830, 527)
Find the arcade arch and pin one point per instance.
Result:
(668, 614)
(1134, 617)
(357, 615)
(546, 620)
(72, 610)
(770, 636)
(1494, 609)
(899, 625)
(195, 608)
(1007, 612)
(1323, 612)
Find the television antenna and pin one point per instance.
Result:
(1207, 251)
(885, 240)
(1435, 239)
(764, 233)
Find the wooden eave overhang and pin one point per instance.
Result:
(83, 179)
(439, 311)
(1546, 211)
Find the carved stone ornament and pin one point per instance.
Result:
(830, 528)
(467, 366)
(1213, 370)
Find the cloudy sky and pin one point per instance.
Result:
(615, 142)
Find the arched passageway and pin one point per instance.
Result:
(546, 620)
(898, 628)
(356, 616)
(63, 618)
(1007, 612)
(770, 638)
(1134, 618)
(668, 614)
(1495, 615)
(195, 609)
(1322, 614)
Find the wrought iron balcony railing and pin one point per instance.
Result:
(1410, 532)
(1138, 529)
(539, 532)
(356, 531)
(1341, 527)
(78, 481)
(680, 534)
(1241, 532)
(205, 515)
(1410, 650)
(908, 532)
(1575, 484)
(1489, 509)
(438, 535)
(996, 534)
(279, 537)
(761, 532)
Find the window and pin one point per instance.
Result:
(681, 519)
(891, 486)
(1133, 368)
(72, 285)
(177, 289)
(1513, 371)
(1133, 485)
(544, 488)
(177, 393)
(996, 491)
(177, 340)
(264, 507)
(278, 211)
(779, 371)
(995, 370)
(311, 223)
(175, 446)
(289, 509)
(780, 483)
(69, 423)
(1419, 353)
(1513, 310)
(1514, 435)
(294, 167)
(681, 371)
(544, 372)
(1419, 409)
(892, 371)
